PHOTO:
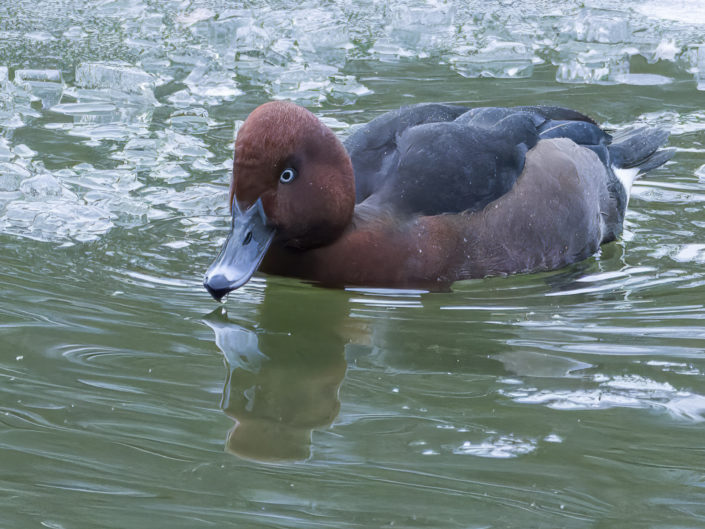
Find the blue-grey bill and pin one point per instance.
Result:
(242, 252)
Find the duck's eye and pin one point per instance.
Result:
(287, 175)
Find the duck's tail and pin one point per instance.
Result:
(638, 151)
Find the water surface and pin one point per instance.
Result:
(574, 398)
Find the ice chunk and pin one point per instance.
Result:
(74, 33)
(23, 151)
(183, 98)
(11, 174)
(124, 209)
(197, 15)
(642, 79)
(117, 75)
(192, 120)
(321, 35)
(207, 167)
(500, 59)
(592, 69)
(387, 51)
(56, 219)
(688, 11)
(422, 27)
(304, 82)
(47, 85)
(180, 146)
(86, 178)
(40, 76)
(173, 172)
(5, 152)
(700, 172)
(140, 152)
(597, 25)
(345, 89)
(39, 36)
(667, 50)
(96, 108)
(3, 74)
(232, 31)
(107, 114)
(41, 187)
(506, 446)
(212, 83)
(696, 57)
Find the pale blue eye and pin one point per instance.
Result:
(287, 175)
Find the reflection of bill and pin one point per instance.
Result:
(283, 380)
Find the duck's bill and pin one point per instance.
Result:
(242, 252)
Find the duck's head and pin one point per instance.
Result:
(292, 184)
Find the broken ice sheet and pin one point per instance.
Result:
(191, 120)
(116, 75)
(499, 59)
(213, 84)
(592, 68)
(597, 25)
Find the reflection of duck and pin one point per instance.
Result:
(425, 195)
(283, 380)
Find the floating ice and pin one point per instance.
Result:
(39, 36)
(642, 79)
(503, 447)
(427, 28)
(115, 102)
(47, 85)
(85, 109)
(700, 172)
(500, 59)
(5, 153)
(623, 391)
(696, 57)
(691, 253)
(74, 33)
(191, 120)
(140, 152)
(116, 75)
(213, 84)
(596, 25)
(553, 438)
(11, 174)
(667, 50)
(51, 220)
(42, 187)
(180, 146)
(688, 11)
(172, 172)
(316, 83)
(15, 103)
(321, 35)
(197, 15)
(23, 151)
(593, 68)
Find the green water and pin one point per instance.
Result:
(128, 398)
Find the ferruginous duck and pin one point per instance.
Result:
(425, 195)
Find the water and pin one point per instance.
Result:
(574, 398)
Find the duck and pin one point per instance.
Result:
(425, 195)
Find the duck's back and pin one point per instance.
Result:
(435, 158)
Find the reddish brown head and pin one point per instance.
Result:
(298, 167)
(293, 182)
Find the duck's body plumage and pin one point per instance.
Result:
(441, 192)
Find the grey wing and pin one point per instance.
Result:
(435, 158)
(373, 147)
